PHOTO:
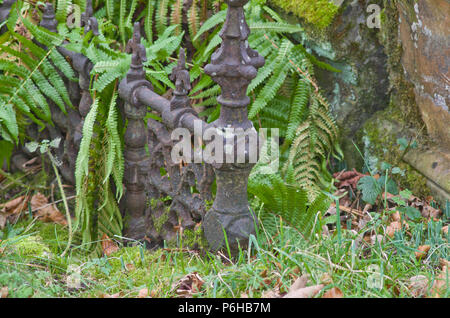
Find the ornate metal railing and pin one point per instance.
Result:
(162, 194)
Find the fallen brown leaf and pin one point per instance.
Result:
(430, 212)
(143, 293)
(108, 245)
(306, 292)
(299, 283)
(444, 263)
(396, 216)
(418, 286)
(4, 292)
(445, 230)
(188, 285)
(393, 227)
(10, 211)
(271, 294)
(440, 284)
(14, 206)
(46, 212)
(117, 295)
(422, 251)
(348, 178)
(333, 293)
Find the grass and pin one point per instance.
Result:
(269, 263)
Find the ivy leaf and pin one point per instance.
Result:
(391, 186)
(411, 213)
(369, 188)
(403, 143)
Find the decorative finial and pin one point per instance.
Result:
(182, 79)
(234, 65)
(88, 21)
(139, 55)
(48, 18)
(181, 75)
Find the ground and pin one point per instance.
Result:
(358, 257)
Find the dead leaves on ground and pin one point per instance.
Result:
(348, 178)
(3, 292)
(43, 210)
(420, 285)
(300, 289)
(188, 285)
(108, 245)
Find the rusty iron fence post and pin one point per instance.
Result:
(162, 195)
(136, 158)
(233, 67)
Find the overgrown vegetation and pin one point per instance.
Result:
(312, 222)
(284, 95)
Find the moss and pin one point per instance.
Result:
(194, 238)
(403, 96)
(317, 12)
(31, 246)
(383, 145)
(54, 235)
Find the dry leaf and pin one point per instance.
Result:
(270, 294)
(422, 251)
(10, 211)
(143, 293)
(440, 284)
(188, 285)
(348, 178)
(418, 286)
(299, 283)
(46, 212)
(130, 267)
(445, 230)
(14, 206)
(394, 227)
(306, 292)
(430, 212)
(396, 216)
(108, 245)
(333, 293)
(444, 263)
(118, 295)
(4, 292)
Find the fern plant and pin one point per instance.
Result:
(100, 158)
(284, 198)
(29, 75)
(284, 94)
